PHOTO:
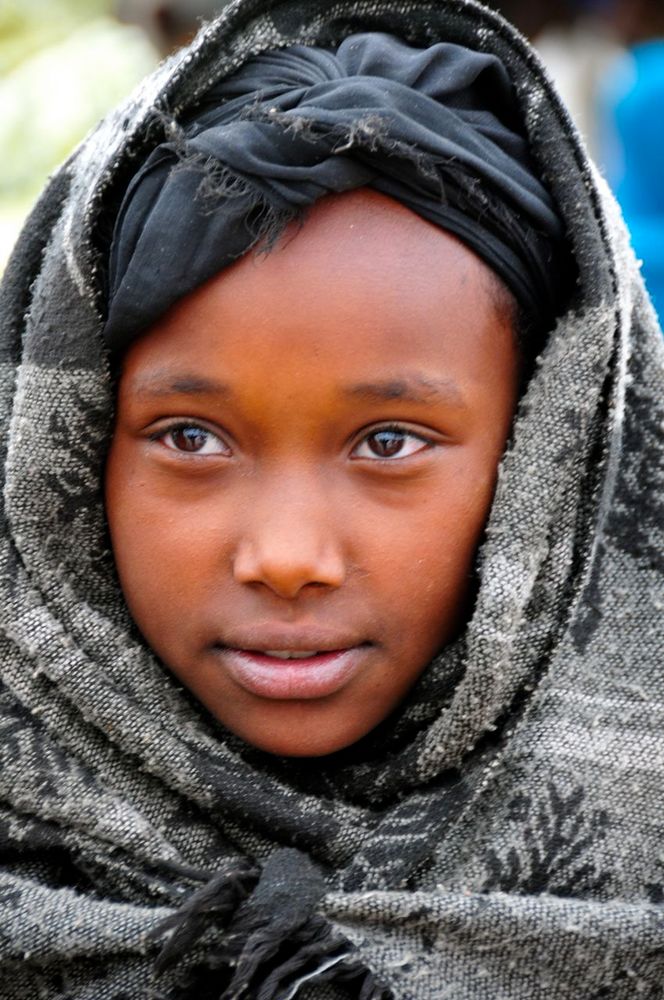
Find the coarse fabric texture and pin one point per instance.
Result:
(501, 837)
(434, 128)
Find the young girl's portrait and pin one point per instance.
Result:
(332, 539)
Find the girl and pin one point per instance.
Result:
(303, 695)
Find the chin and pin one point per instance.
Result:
(298, 742)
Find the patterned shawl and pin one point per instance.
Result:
(502, 836)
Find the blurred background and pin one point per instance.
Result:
(64, 63)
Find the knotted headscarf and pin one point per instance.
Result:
(434, 128)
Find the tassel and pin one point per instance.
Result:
(275, 940)
(276, 928)
(214, 904)
(302, 955)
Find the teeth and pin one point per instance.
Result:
(290, 654)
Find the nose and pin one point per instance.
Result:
(290, 544)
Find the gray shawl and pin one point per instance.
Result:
(502, 837)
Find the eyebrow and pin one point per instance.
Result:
(167, 384)
(414, 388)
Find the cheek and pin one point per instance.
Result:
(154, 546)
(436, 533)
(421, 562)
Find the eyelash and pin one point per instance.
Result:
(189, 425)
(397, 430)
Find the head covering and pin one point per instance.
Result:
(434, 128)
(501, 835)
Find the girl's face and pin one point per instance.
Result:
(302, 466)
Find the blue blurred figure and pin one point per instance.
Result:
(632, 119)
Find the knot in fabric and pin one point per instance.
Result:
(436, 129)
(273, 941)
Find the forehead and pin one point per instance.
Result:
(364, 288)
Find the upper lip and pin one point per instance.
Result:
(258, 640)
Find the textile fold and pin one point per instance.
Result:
(501, 834)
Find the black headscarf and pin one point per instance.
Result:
(434, 128)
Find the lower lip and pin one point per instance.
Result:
(313, 677)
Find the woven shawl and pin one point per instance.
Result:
(502, 835)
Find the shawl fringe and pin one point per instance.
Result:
(273, 942)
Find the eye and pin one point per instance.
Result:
(390, 443)
(193, 439)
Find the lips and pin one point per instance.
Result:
(291, 654)
(292, 674)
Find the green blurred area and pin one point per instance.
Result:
(27, 26)
(63, 64)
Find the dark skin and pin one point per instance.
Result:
(638, 20)
(532, 16)
(303, 462)
(169, 24)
